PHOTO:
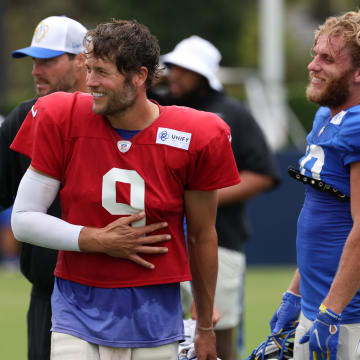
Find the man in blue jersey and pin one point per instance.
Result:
(325, 289)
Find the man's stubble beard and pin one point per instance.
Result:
(119, 104)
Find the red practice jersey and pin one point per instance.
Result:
(104, 177)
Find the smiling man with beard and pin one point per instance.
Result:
(120, 159)
(325, 289)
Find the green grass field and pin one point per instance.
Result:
(264, 286)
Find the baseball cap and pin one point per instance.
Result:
(54, 36)
(199, 55)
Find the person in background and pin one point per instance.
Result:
(58, 65)
(325, 289)
(118, 159)
(191, 81)
(9, 247)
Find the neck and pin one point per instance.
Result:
(352, 100)
(137, 117)
(350, 103)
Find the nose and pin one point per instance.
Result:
(91, 80)
(37, 68)
(314, 64)
(175, 73)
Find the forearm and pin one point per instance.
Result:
(29, 220)
(294, 286)
(204, 265)
(118, 239)
(347, 278)
(251, 184)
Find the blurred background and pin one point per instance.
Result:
(238, 28)
(265, 47)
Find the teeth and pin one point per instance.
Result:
(316, 80)
(96, 94)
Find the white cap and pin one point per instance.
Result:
(54, 36)
(199, 55)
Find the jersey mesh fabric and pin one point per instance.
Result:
(332, 146)
(145, 316)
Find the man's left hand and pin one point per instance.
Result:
(205, 344)
(323, 337)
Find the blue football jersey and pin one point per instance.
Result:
(325, 222)
(333, 144)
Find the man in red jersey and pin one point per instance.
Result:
(120, 159)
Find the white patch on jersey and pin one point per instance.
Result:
(321, 130)
(33, 111)
(175, 138)
(124, 145)
(336, 120)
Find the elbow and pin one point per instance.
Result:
(18, 223)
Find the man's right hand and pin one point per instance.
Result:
(287, 313)
(120, 239)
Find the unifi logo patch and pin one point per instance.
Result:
(174, 138)
(124, 146)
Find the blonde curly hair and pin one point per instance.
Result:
(348, 27)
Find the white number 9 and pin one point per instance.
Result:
(137, 193)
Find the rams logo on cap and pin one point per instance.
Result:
(40, 31)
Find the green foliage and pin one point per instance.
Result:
(248, 40)
(215, 20)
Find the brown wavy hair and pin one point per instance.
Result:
(348, 27)
(128, 44)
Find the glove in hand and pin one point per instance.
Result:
(286, 315)
(323, 337)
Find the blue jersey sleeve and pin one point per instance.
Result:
(349, 136)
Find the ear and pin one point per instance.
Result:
(357, 76)
(140, 77)
(79, 61)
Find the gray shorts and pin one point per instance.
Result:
(229, 289)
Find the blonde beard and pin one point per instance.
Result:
(334, 94)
